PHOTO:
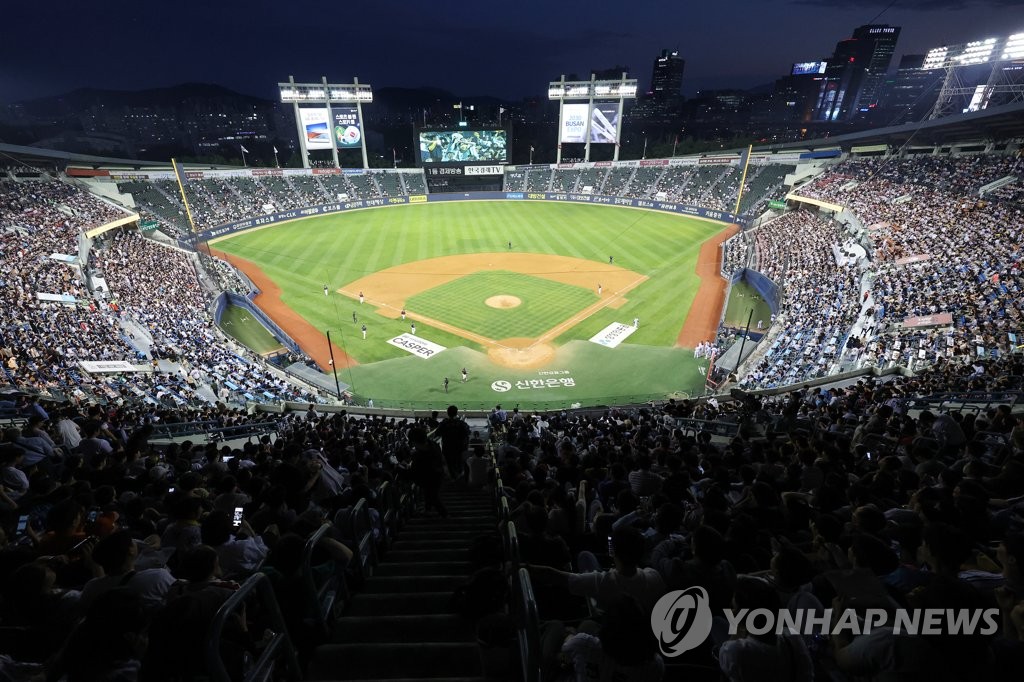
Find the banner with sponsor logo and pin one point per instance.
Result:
(604, 118)
(918, 258)
(718, 160)
(484, 170)
(417, 198)
(940, 320)
(316, 128)
(346, 127)
(614, 334)
(223, 231)
(574, 123)
(421, 348)
(96, 367)
(57, 298)
(653, 162)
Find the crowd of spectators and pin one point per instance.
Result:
(840, 498)
(820, 298)
(937, 248)
(158, 287)
(102, 529)
(42, 339)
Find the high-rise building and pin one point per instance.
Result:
(910, 94)
(856, 72)
(667, 75)
(664, 98)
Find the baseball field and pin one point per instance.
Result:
(514, 292)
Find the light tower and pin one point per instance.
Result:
(1004, 57)
(589, 122)
(324, 127)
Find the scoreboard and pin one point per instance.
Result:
(463, 160)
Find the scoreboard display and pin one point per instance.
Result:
(462, 146)
(463, 160)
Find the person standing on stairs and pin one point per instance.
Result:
(454, 435)
(427, 469)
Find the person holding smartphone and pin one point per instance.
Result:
(240, 549)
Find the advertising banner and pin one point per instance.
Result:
(346, 127)
(317, 130)
(603, 119)
(574, 123)
(57, 298)
(614, 334)
(484, 170)
(111, 366)
(918, 258)
(718, 160)
(421, 348)
(940, 320)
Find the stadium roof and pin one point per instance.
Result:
(994, 124)
(42, 154)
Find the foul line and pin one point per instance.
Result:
(552, 333)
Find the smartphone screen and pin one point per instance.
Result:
(611, 548)
(22, 524)
(236, 520)
(93, 515)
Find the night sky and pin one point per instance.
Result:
(509, 49)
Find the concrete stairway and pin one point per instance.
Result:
(401, 625)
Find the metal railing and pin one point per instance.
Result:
(278, 646)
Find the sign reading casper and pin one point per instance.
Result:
(614, 334)
(421, 348)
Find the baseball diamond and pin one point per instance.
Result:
(508, 315)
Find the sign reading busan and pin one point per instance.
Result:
(421, 348)
(574, 122)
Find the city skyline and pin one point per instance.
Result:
(251, 46)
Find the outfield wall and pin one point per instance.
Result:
(764, 286)
(228, 298)
(229, 229)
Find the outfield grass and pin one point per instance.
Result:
(239, 324)
(742, 298)
(544, 303)
(303, 255)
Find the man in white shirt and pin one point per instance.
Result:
(115, 556)
(627, 547)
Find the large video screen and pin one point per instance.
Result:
(804, 68)
(454, 146)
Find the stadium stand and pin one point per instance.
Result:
(907, 490)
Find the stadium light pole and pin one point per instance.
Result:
(325, 93)
(591, 91)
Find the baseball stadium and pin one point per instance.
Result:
(475, 420)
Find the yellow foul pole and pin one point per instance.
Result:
(743, 180)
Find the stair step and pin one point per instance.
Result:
(383, 660)
(415, 679)
(416, 535)
(435, 554)
(395, 584)
(454, 524)
(400, 604)
(418, 628)
(421, 568)
(435, 543)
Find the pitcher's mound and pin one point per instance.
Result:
(521, 353)
(503, 301)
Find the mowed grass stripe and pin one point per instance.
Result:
(462, 302)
